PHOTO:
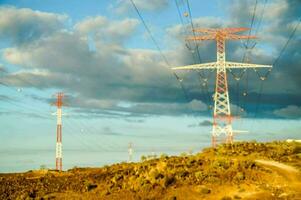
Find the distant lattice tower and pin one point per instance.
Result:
(130, 151)
(222, 118)
(59, 104)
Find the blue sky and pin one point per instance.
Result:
(119, 89)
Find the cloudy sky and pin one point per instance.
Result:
(118, 87)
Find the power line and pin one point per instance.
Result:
(287, 42)
(179, 12)
(37, 112)
(261, 17)
(264, 77)
(26, 107)
(204, 85)
(159, 49)
(247, 51)
(91, 129)
(75, 126)
(150, 34)
(192, 28)
(252, 21)
(246, 45)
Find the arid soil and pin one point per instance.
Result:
(245, 170)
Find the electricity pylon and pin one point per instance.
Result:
(222, 118)
(58, 153)
(130, 151)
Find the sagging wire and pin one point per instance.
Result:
(159, 49)
(201, 73)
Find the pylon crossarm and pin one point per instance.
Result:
(239, 131)
(202, 37)
(211, 65)
(236, 65)
(239, 37)
(205, 30)
(234, 30)
(224, 30)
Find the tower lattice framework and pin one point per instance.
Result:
(58, 153)
(222, 118)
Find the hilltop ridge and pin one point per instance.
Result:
(243, 170)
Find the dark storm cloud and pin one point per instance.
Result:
(135, 120)
(23, 25)
(141, 109)
(289, 112)
(2, 70)
(25, 114)
(6, 98)
(279, 20)
(203, 123)
(108, 131)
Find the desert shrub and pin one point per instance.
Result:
(240, 176)
(200, 176)
(182, 174)
(42, 167)
(143, 158)
(150, 157)
(183, 154)
(191, 160)
(163, 156)
(213, 180)
(297, 149)
(221, 164)
(168, 180)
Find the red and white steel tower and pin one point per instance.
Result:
(222, 118)
(59, 104)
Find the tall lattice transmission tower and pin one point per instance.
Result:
(222, 118)
(58, 153)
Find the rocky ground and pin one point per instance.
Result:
(245, 170)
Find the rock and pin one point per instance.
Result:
(173, 198)
(91, 186)
(226, 198)
(203, 189)
(284, 195)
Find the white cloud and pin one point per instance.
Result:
(103, 28)
(122, 7)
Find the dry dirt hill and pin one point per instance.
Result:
(245, 170)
